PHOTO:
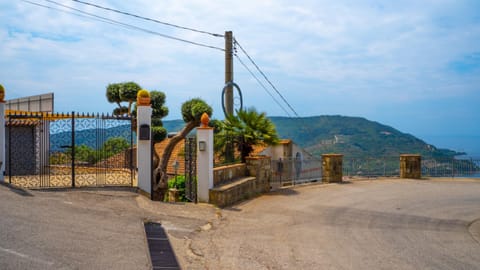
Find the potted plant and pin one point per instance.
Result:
(2, 93)
(143, 98)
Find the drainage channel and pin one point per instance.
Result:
(161, 252)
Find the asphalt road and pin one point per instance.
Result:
(86, 229)
(380, 224)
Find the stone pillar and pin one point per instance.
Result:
(2, 140)
(410, 166)
(144, 148)
(332, 168)
(260, 168)
(204, 160)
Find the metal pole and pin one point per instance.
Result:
(73, 149)
(229, 72)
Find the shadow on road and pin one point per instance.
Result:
(16, 190)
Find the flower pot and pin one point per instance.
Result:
(143, 101)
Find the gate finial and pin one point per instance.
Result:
(204, 120)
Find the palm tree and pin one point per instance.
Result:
(246, 129)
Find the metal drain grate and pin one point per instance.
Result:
(161, 252)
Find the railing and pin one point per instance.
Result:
(388, 166)
(296, 171)
(450, 167)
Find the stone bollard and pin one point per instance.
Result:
(410, 166)
(332, 168)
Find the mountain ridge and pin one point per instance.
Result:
(349, 135)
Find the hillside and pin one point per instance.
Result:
(353, 136)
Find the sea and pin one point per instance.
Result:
(468, 144)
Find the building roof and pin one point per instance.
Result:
(22, 122)
(178, 154)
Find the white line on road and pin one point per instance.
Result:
(25, 256)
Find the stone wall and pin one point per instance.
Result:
(260, 168)
(226, 174)
(239, 182)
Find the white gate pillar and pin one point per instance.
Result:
(204, 159)
(2, 140)
(144, 143)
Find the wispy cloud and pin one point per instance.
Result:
(340, 57)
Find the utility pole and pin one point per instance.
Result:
(228, 72)
(229, 147)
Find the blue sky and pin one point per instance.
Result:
(414, 65)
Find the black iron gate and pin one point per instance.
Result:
(69, 150)
(191, 169)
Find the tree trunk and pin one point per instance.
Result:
(160, 172)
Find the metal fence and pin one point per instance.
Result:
(295, 171)
(371, 167)
(389, 166)
(451, 167)
(69, 150)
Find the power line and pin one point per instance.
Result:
(148, 19)
(261, 84)
(69, 12)
(266, 78)
(118, 23)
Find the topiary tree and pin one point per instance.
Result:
(119, 93)
(192, 111)
(113, 94)
(123, 92)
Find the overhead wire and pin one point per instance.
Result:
(265, 77)
(133, 27)
(68, 12)
(261, 84)
(148, 19)
(126, 25)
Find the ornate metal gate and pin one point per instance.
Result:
(191, 169)
(69, 150)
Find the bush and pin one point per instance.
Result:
(180, 185)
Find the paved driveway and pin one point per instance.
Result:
(381, 224)
(86, 229)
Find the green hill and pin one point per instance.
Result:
(353, 137)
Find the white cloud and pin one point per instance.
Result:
(325, 57)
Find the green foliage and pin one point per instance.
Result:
(359, 137)
(178, 183)
(115, 145)
(193, 109)
(2, 89)
(246, 129)
(120, 111)
(113, 93)
(128, 91)
(88, 155)
(158, 100)
(159, 133)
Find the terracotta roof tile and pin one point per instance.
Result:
(22, 122)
